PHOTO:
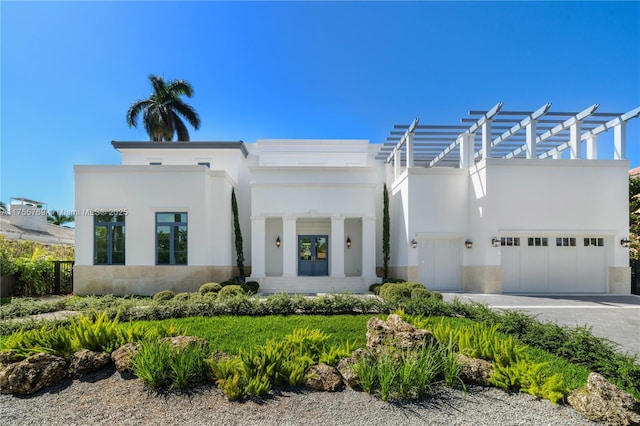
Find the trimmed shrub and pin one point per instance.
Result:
(436, 295)
(209, 288)
(230, 291)
(420, 292)
(164, 295)
(182, 296)
(375, 288)
(394, 280)
(251, 287)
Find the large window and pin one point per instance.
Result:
(108, 239)
(171, 238)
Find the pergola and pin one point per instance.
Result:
(496, 133)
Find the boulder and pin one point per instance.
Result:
(9, 357)
(323, 377)
(394, 332)
(32, 374)
(474, 370)
(86, 361)
(345, 367)
(602, 401)
(123, 356)
(179, 342)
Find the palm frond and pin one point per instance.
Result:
(187, 112)
(181, 129)
(134, 111)
(180, 87)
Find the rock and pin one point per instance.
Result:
(123, 356)
(9, 357)
(602, 401)
(474, 370)
(86, 361)
(395, 333)
(323, 377)
(184, 341)
(345, 367)
(32, 374)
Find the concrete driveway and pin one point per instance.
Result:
(616, 317)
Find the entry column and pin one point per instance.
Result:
(258, 235)
(369, 247)
(289, 247)
(336, 254)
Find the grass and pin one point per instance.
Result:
(230, 333)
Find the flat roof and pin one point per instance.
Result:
(182, 145)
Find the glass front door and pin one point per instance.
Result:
(313, 255)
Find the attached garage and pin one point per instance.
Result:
(560, 263)
(440, 261)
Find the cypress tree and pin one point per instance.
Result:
(238, 235)
(385, 234)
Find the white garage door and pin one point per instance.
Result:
(554, 264)
(439, 261)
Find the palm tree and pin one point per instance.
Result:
(59, 219)
(162, 110)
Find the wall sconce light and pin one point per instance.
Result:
(414, 243)
(348, 242)
(495, 242)
(468, 244)
(278, 242)
(625, 242)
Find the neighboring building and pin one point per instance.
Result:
(27, 220)
(505, 203)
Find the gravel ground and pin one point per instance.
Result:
(105, 398)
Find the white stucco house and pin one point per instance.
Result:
(505, 201)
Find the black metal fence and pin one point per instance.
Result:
(57, 278)
(635, 276)
(61, 281)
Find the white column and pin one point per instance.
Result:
(620, 142)
(575, 131)
(336, 246)
(592, 147)
(369, 247)
(409, 150)
(530, 130)
(258, 247)
(467, 147)
(486, 139)
(396, 163)
(289, 247)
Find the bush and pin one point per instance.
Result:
(209, 288)
(375, 288)
(394, 280)
(230, 291)
(419, 293)
(182, 296)
(251, 287)
(164, 295)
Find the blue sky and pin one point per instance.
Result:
(70, 70)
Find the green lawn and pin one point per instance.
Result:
(230, 333)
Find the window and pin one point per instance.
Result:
(108, 239)
(565, 242)
(538, 242)
(594, 242)
(171, 238)
(205, 164)
(510, 241)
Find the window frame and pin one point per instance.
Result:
(109, 225)
(172, 229)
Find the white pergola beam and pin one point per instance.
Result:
(556, 130)
(481, 121)
(403, 140)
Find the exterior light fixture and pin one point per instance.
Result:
(495, 242)
(414, 243)
(468, 244)
(348, 242)
(278, 242)
(625, 242)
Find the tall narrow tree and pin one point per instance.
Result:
(386, 249)
(238, 235)
(162, 110)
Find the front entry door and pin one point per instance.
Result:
(313, 256)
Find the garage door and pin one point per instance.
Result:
(439, 261)
(554, 264)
